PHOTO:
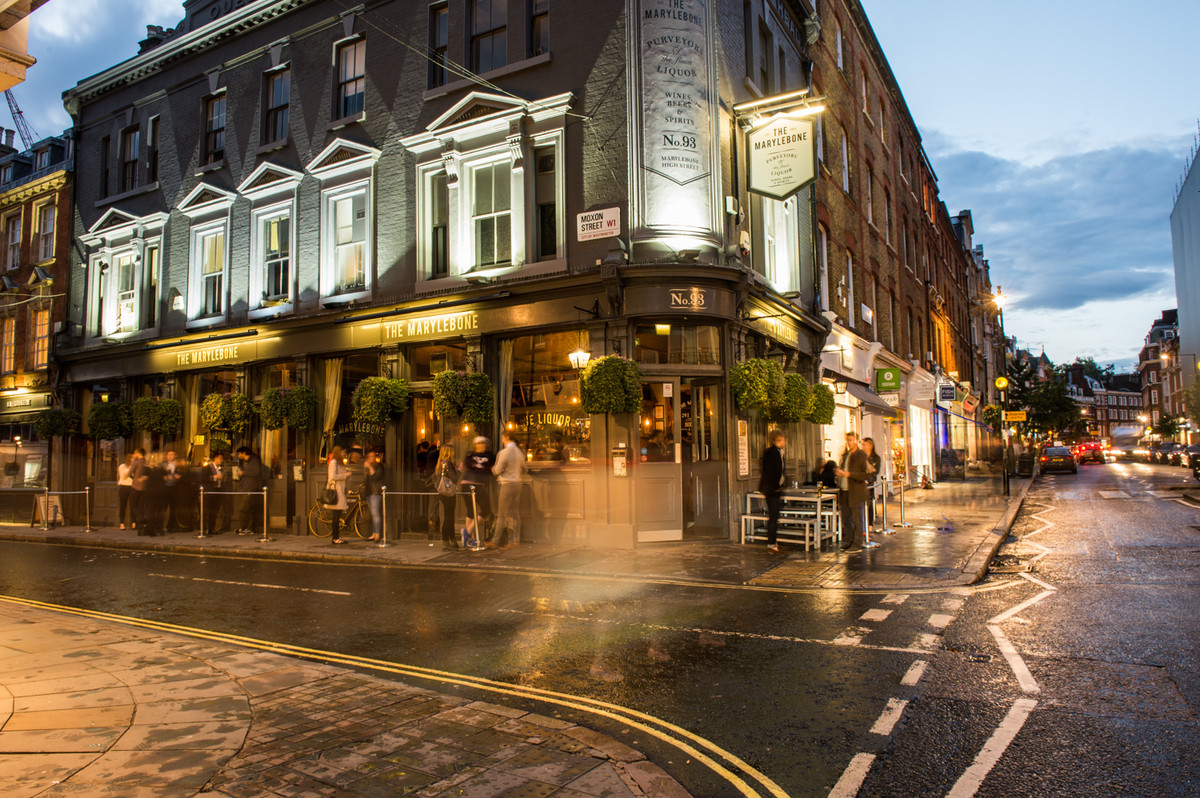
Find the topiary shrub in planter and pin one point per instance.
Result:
(378, 400)
(797, 400)
(56, 423)
(822, 405)
(757, 384)
(611, 384)
(469, 396)
(110, 420)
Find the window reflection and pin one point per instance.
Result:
(544, 411)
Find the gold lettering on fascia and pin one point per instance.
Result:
(208, 354)
(784, 332)
(448, 324)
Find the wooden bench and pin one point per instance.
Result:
(793, 528)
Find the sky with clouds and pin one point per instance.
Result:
(1064, 126)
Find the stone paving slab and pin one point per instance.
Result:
(111, 723)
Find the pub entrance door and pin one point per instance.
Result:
(705, 467)
(658, 466)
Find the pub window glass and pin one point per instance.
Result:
(545, 416)
(426, 362)
(278, 375)
(693, 345)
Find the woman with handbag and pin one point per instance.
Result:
(445, 482)
(335, 492)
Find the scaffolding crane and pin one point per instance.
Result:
(28, 137)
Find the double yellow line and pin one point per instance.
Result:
(723, 763)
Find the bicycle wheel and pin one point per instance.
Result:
(359, 518)
(319, 520)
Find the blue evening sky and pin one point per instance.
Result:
(1062, 125)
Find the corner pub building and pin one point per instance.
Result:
(310, 192)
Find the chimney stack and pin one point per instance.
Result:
(8, 137)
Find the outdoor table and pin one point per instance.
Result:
(806, 516)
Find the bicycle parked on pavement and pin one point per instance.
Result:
(356, 517)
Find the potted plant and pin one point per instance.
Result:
(796, 401)
(50, 423)
(161, 416)
(822, 405)
(273, 411)
(757, 384)
(470, 396)
(378, 400)
(301, 407)
(611, 384)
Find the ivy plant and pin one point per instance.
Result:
(797, 400)
(273, 412)
(378, 400)
(56, 423)
(822, 405)
(757, 384)
(472, 397)
(611, 384)
(110, 420)
(301, 407)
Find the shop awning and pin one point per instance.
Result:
(872, 402)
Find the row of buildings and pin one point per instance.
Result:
(309, 192)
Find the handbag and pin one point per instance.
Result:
(446, 487)
(329, 495)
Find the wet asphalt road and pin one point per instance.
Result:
(797, 685)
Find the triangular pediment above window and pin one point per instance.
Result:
(475, 106)
(39, 276)
(206, 198)
(269, 179)
(111, 220)
(342, 156)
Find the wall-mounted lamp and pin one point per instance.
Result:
(579, 358)
(839, 386)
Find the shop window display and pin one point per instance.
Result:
(544, 411)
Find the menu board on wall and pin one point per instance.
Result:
(675, 73)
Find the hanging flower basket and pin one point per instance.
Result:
(160, 416)
(822, 405)
(230, 412)
(110, 420)
(301, 407)
(56, 423)
(611, 384)
(797, 400)
(757, 384)
(469, 396)
(992, 417)
(273, 412)
(378, 400)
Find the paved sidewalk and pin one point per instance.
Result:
(98, 708)
(956, 528)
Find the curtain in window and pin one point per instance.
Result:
(192, 394)
(505, 386)
(333, 398)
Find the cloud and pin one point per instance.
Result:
(60, 21)
(1075, 236)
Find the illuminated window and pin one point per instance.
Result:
(126, 270)
(8, 346)
(272, 252)
(41, 339)
(345, 233)
(351, 78)
(542, 410)
(209, 265)
(491, 215)
(688, 344)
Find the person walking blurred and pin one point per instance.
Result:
(477, 474)
(770, 484)
(852, 487)
(216, 502)
(124, 492)
(373, 490)
(510, 472)
(250, 488)
(139, 476)
(874, 464)
(336, 476)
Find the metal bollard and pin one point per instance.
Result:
(902, 524)
(383, 512)
(867, 542)
(886, 530)
(201, 536)
(266, 538)
(87, 507)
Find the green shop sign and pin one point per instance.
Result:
(888, 379)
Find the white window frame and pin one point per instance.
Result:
(259, 278)
(474, 217)
(113, 235)
(781, 254)
(12, 249)
(329, 199)
(199, 235)
(45, 233)
(823, 264)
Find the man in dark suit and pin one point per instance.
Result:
(250, 507)
(770, 484)
(215, 501)
(852, 483)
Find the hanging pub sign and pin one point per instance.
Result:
(782, 157)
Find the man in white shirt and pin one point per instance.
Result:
(509, 471)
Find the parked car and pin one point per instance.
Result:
(1090, 452)
(1163, 455)
(1058, 458)
(1190, 456)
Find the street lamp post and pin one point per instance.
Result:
(998, 300)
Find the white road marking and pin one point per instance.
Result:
(889, 717)
(1034, 579)
(875, 615)
(914, 674)
(952, 604)
(1024, 605)
(851, 637)
(252, 584)
(1115, 494)
(839, 641)
(940, 620)
(895, 598)
(1184, 502)
(853, 777)
(1019, 669)
(924, 641)
(968, 784)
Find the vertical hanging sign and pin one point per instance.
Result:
(674, 97)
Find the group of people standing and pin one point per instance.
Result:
(159, 493)
(854, 477)
(473, 478)
(360, 474)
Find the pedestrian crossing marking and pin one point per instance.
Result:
(851, 637)
(924, 641)
(1115, 494)
(940, 621)
(894, 598)
(875, 615)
